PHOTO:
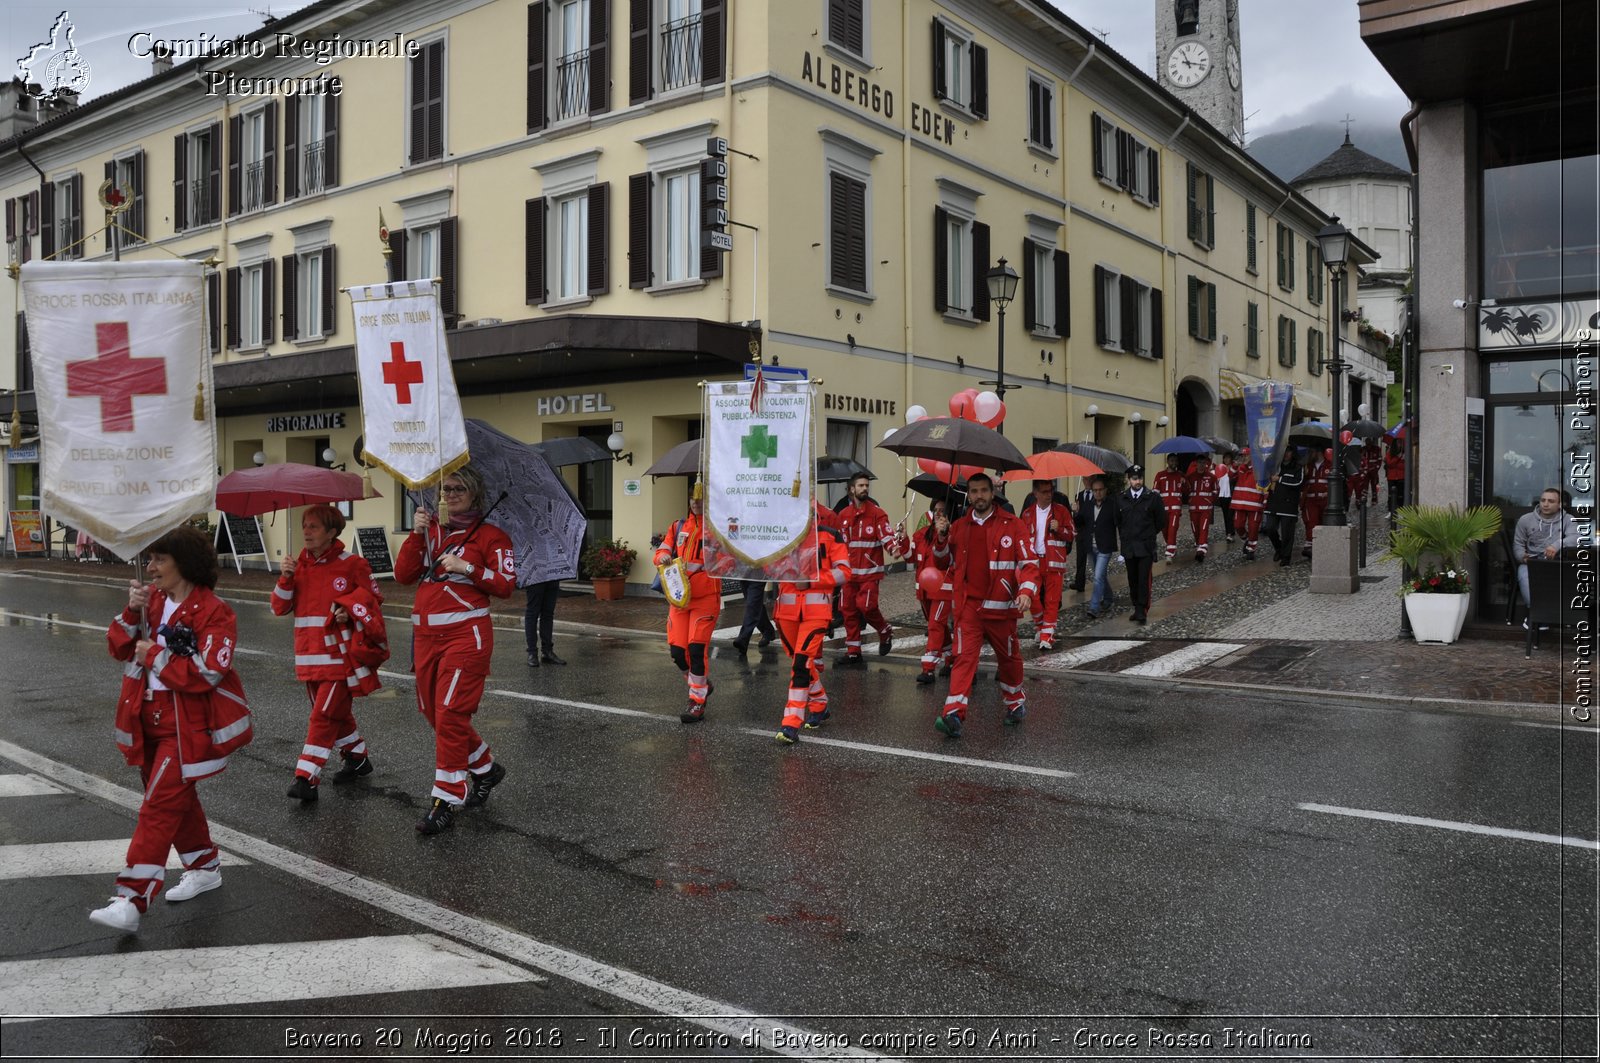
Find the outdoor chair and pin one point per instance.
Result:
(1560, 594)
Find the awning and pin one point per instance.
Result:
(1231, 383)
(1311, 402)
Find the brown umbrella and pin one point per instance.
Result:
(681, 460)
(958, 441)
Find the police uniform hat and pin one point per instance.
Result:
(1135, 470)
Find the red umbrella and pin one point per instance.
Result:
(1053, 465)
(250, 492)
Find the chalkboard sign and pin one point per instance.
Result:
(241, 537)
(373, 544)
(1474, 459)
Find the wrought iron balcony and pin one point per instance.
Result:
(680, 52)
(572, 85)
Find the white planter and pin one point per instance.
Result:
(1437, 617)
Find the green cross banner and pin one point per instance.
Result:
(756, 446)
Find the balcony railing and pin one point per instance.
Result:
(255, 185)
(201, 210)
(572, 85)
(312, 170)
(680, 52)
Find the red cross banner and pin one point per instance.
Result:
(123, 380)
(410, 412)
(759, 472)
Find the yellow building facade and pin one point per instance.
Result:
(559, 166)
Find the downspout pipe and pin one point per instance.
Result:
(1410, 375)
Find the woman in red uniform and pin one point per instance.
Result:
(181, 713)
(803, 611)
(461, 560)
(309, 587)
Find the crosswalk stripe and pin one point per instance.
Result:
(27, 786)
(1182, 660)
(245, 974)
(47, 859)
(1062, 660)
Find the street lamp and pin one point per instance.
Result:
(1334, 241)
(1002, 281)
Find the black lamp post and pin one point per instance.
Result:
(1002, 281)
(1334, 240)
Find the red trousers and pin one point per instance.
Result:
(170, 815)
(332, 727)
(803, 638)
(937, 613)
(688, 634)
(1200, 523)
(972, 630)
(1247, 522)
(1311, 515)
(451, 670)
(1047, 606)
(859, 603)
(1174, 516)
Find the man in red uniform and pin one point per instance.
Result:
(1202, 488)
(994, 580)
(929, 550)
(1248, 500)
(1170, 483)
(803, 611)
(1394, 468)
(867, 533)
(689, 625)
(1050, 533)
(309, 587)
(1314, 498)
(1371, 468)
(461, 560)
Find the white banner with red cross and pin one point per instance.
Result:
(410, 412)
(122, 374)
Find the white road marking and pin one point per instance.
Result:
(27, 786)
(46, 859)
(12, 614)
(218, 976)
(917, 754)
(1182, 660)
(1061, 660)
(1449, 824)
(1574, 728)
(592, 707)
(616, 982)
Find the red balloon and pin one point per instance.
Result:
(927, 464)
(965, 472)
(961, 405)
(1346, 436)
(930, 580)
(1327, 455)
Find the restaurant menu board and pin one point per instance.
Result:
(373, 544)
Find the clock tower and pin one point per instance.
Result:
(1197, 59)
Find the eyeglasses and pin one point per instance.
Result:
(452, 489)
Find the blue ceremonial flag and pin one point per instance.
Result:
(1267, 407)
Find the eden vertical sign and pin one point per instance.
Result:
(714, 234)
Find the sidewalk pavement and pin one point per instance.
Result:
(1284, 638)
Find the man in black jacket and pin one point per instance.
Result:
(1082, 497)
(1283, 508)
(1141, 516)
(1097, 521)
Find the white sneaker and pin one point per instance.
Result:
(194, 883)
(120, 914)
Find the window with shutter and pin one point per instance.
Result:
(1041, 112)
(846, 25)
(1060, 263)
(980, 271)
(599, 56)
(213, 311)
(1031, 280)
(449, 272)
(426, 126)
(291, 297)
(1250, 237)
(1252, 330)
(1129, 293)
(640, 194)
(847, 223)
(599, 258)
(941, 259)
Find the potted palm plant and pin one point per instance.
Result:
(1437, 596)
(607, 562)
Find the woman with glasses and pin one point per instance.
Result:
(181, 713)
(461, 560)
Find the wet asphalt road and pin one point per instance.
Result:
(1159, 872)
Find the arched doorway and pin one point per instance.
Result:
(1196, 409)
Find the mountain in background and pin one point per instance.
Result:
(1290, 152)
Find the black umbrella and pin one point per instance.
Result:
(538, 512)
(572, 450)
(958, 441)
(832, 470)
(1220, 445)
(930, 486)
(681, 460)
(1310, 434)
(1365, 429)
(1108, 459)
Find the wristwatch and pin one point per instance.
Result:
(472, 570)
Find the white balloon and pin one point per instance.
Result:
(887, 432)
(915, 414)
(1364, 410)
(986, 405)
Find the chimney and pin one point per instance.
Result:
(18, 110)
(160, 60)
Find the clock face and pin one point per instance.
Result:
(1233, 66)
(1188, 64)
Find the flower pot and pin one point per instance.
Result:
(1436, 617)
(609, 588)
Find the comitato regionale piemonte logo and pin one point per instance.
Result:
(54, 64)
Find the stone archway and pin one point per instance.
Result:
(1196, 409)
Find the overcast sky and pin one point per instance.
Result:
(1287, 46)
